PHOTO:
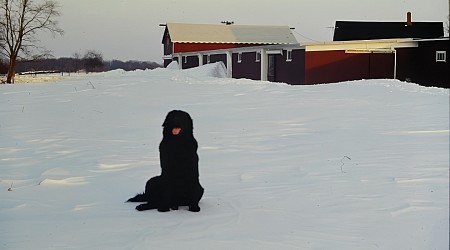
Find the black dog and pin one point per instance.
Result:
(178, 184)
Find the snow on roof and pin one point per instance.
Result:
(240, 34)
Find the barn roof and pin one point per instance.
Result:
(356, 30)
(236, 34)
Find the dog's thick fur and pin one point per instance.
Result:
(178, 184)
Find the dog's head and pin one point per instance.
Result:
(178, 123)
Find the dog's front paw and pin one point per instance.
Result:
(194, 208)
(141, 207)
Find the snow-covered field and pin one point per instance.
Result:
(352, 165)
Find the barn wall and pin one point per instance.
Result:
(336, 66)
(248, 67)
(167, 47)
(406, 68)
(419, 64)
(190, 62)
(288, 72)
(433, 73)
(381, 66)
(292, 72)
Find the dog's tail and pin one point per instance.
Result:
(138, 198)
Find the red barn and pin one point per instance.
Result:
(272, 53)
(352, 60)
(422, 61)
(184, 38)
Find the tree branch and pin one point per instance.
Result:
(20, 21)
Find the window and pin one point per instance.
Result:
(258, 56)
(441, 56)
(288, 55)
(239, 59)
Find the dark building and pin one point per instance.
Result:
(356, 30)
(426, 64)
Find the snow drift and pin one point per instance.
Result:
(353, 165)
(217, 69)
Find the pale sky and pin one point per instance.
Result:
(129, 29)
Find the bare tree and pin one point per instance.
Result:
(93, 61)
(448, 20)
(20, 21)
(77, 58)
(448, 25)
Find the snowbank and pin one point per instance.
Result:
(173, 65)
(355, 165)
(217, 69)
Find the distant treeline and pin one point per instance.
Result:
(77, 65)
(3, 67)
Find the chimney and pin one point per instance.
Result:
(408, 19)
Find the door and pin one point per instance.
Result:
(381, 66)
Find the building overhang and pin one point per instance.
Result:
(269, 49)
(382, 45)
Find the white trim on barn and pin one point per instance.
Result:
(264, 65)
(274, 52)
(229, 64)
(441, 56)
(200, 59)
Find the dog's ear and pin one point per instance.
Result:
(166, 122)
(186, 122)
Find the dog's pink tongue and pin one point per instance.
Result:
(176, 131)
